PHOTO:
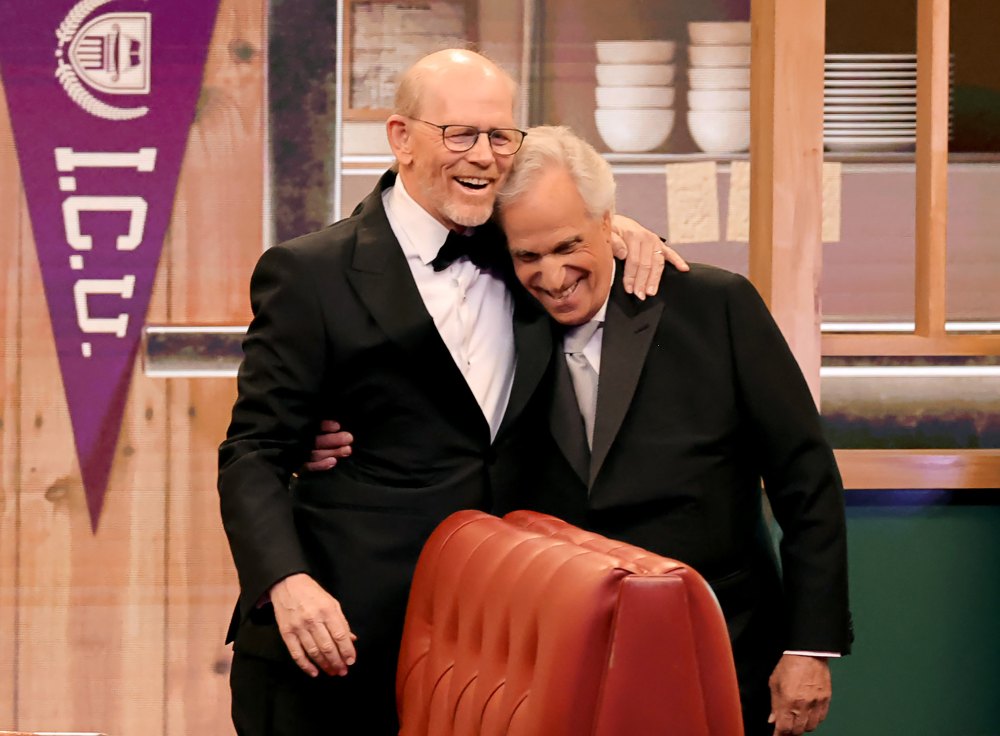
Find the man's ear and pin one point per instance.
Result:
(398, 132)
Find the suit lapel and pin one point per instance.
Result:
(533, 350)
(628, 333)
(382, 279)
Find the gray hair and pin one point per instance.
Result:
(551, 145)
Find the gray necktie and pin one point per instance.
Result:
(583, 374)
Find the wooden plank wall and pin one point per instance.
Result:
(10, 277)
(216, 238)
(122, 631)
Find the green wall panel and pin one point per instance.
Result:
(925, 593)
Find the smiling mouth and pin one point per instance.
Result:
(474, 184)
(563, 294)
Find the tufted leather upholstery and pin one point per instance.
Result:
(527, 626)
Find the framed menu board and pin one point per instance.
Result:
(384, 37)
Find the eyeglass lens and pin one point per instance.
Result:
(463, 137)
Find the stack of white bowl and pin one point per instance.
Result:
(635, 94)
(870, 102)
(719, 86)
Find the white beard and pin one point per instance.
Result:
(467, 215)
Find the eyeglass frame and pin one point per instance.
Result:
(489, 136)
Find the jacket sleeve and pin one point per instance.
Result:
(800, 476)
(273, 420)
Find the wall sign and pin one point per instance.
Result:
(101, 96)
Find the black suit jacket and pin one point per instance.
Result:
(700, 400)
(339, 330)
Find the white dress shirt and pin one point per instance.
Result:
(472, 309)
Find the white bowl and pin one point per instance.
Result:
(719, 34)
(719, 77)
(635, 52)
(634, 75)
(619, 97)
(720, 131)
(719, 55)
(719, 99)
(634, 130)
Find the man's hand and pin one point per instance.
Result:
(312, 626)
(800, 694)
(330, 444)
(644, 254)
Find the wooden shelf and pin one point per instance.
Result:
(896, 344)
(919, 469)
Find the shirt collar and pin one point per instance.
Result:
(424, 234)
(602, 312)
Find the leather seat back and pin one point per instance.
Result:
(529, 626)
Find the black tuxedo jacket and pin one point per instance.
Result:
(700, 400)
(339, 330)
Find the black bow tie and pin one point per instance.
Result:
(482, 247)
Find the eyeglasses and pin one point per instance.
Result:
(461, 138)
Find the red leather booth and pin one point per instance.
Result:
(527, 626)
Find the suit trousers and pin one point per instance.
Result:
(756, 651)
(271, 696)
(755, 696)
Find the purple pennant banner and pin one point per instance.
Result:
(101, 96)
